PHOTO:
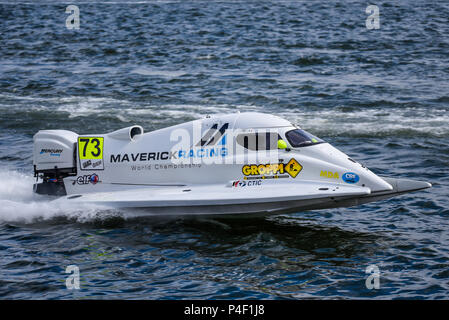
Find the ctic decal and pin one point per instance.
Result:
(86, 179)
(293, 168)
(329, 174)
(90, 153)
(350, 177)
(244, 183)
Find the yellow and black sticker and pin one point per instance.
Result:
(263, 169)
(273, 169)
(293, 167)
(90, 153)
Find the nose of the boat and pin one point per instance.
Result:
(406, 185)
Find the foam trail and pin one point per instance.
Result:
(18, 203)
(393, 122)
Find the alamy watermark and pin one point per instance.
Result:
(373, 20)
(73, 280)
(73, 20)
(215, 143)
(373, 280)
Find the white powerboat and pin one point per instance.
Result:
(243, 163)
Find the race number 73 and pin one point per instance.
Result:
(90, 148)
(90, 153)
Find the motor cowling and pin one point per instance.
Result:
(54, 158)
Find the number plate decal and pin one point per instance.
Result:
(90, 153)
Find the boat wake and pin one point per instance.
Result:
(18, 203)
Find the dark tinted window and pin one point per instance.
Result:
(301, 138)
(259, 140)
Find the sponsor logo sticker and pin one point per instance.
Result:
(243, 183)
(52, 152)
(86, 179)
(350, 177)
(329, 174)
(292, 167)
(213, 135)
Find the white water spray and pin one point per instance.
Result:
(18, 203)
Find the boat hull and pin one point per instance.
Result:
(216, 200)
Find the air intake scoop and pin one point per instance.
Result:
(130, 133)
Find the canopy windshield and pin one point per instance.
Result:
(301, 138)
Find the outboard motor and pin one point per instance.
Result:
(54, 158)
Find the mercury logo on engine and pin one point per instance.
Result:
(52, 152)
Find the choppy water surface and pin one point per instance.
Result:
(381, 96)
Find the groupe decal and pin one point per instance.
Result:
(86, 179)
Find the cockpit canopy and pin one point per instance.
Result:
(258, 131)
(268, 140)
(301, 138)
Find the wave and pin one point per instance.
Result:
(18, 203)
(376, 119)
(374, 122)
